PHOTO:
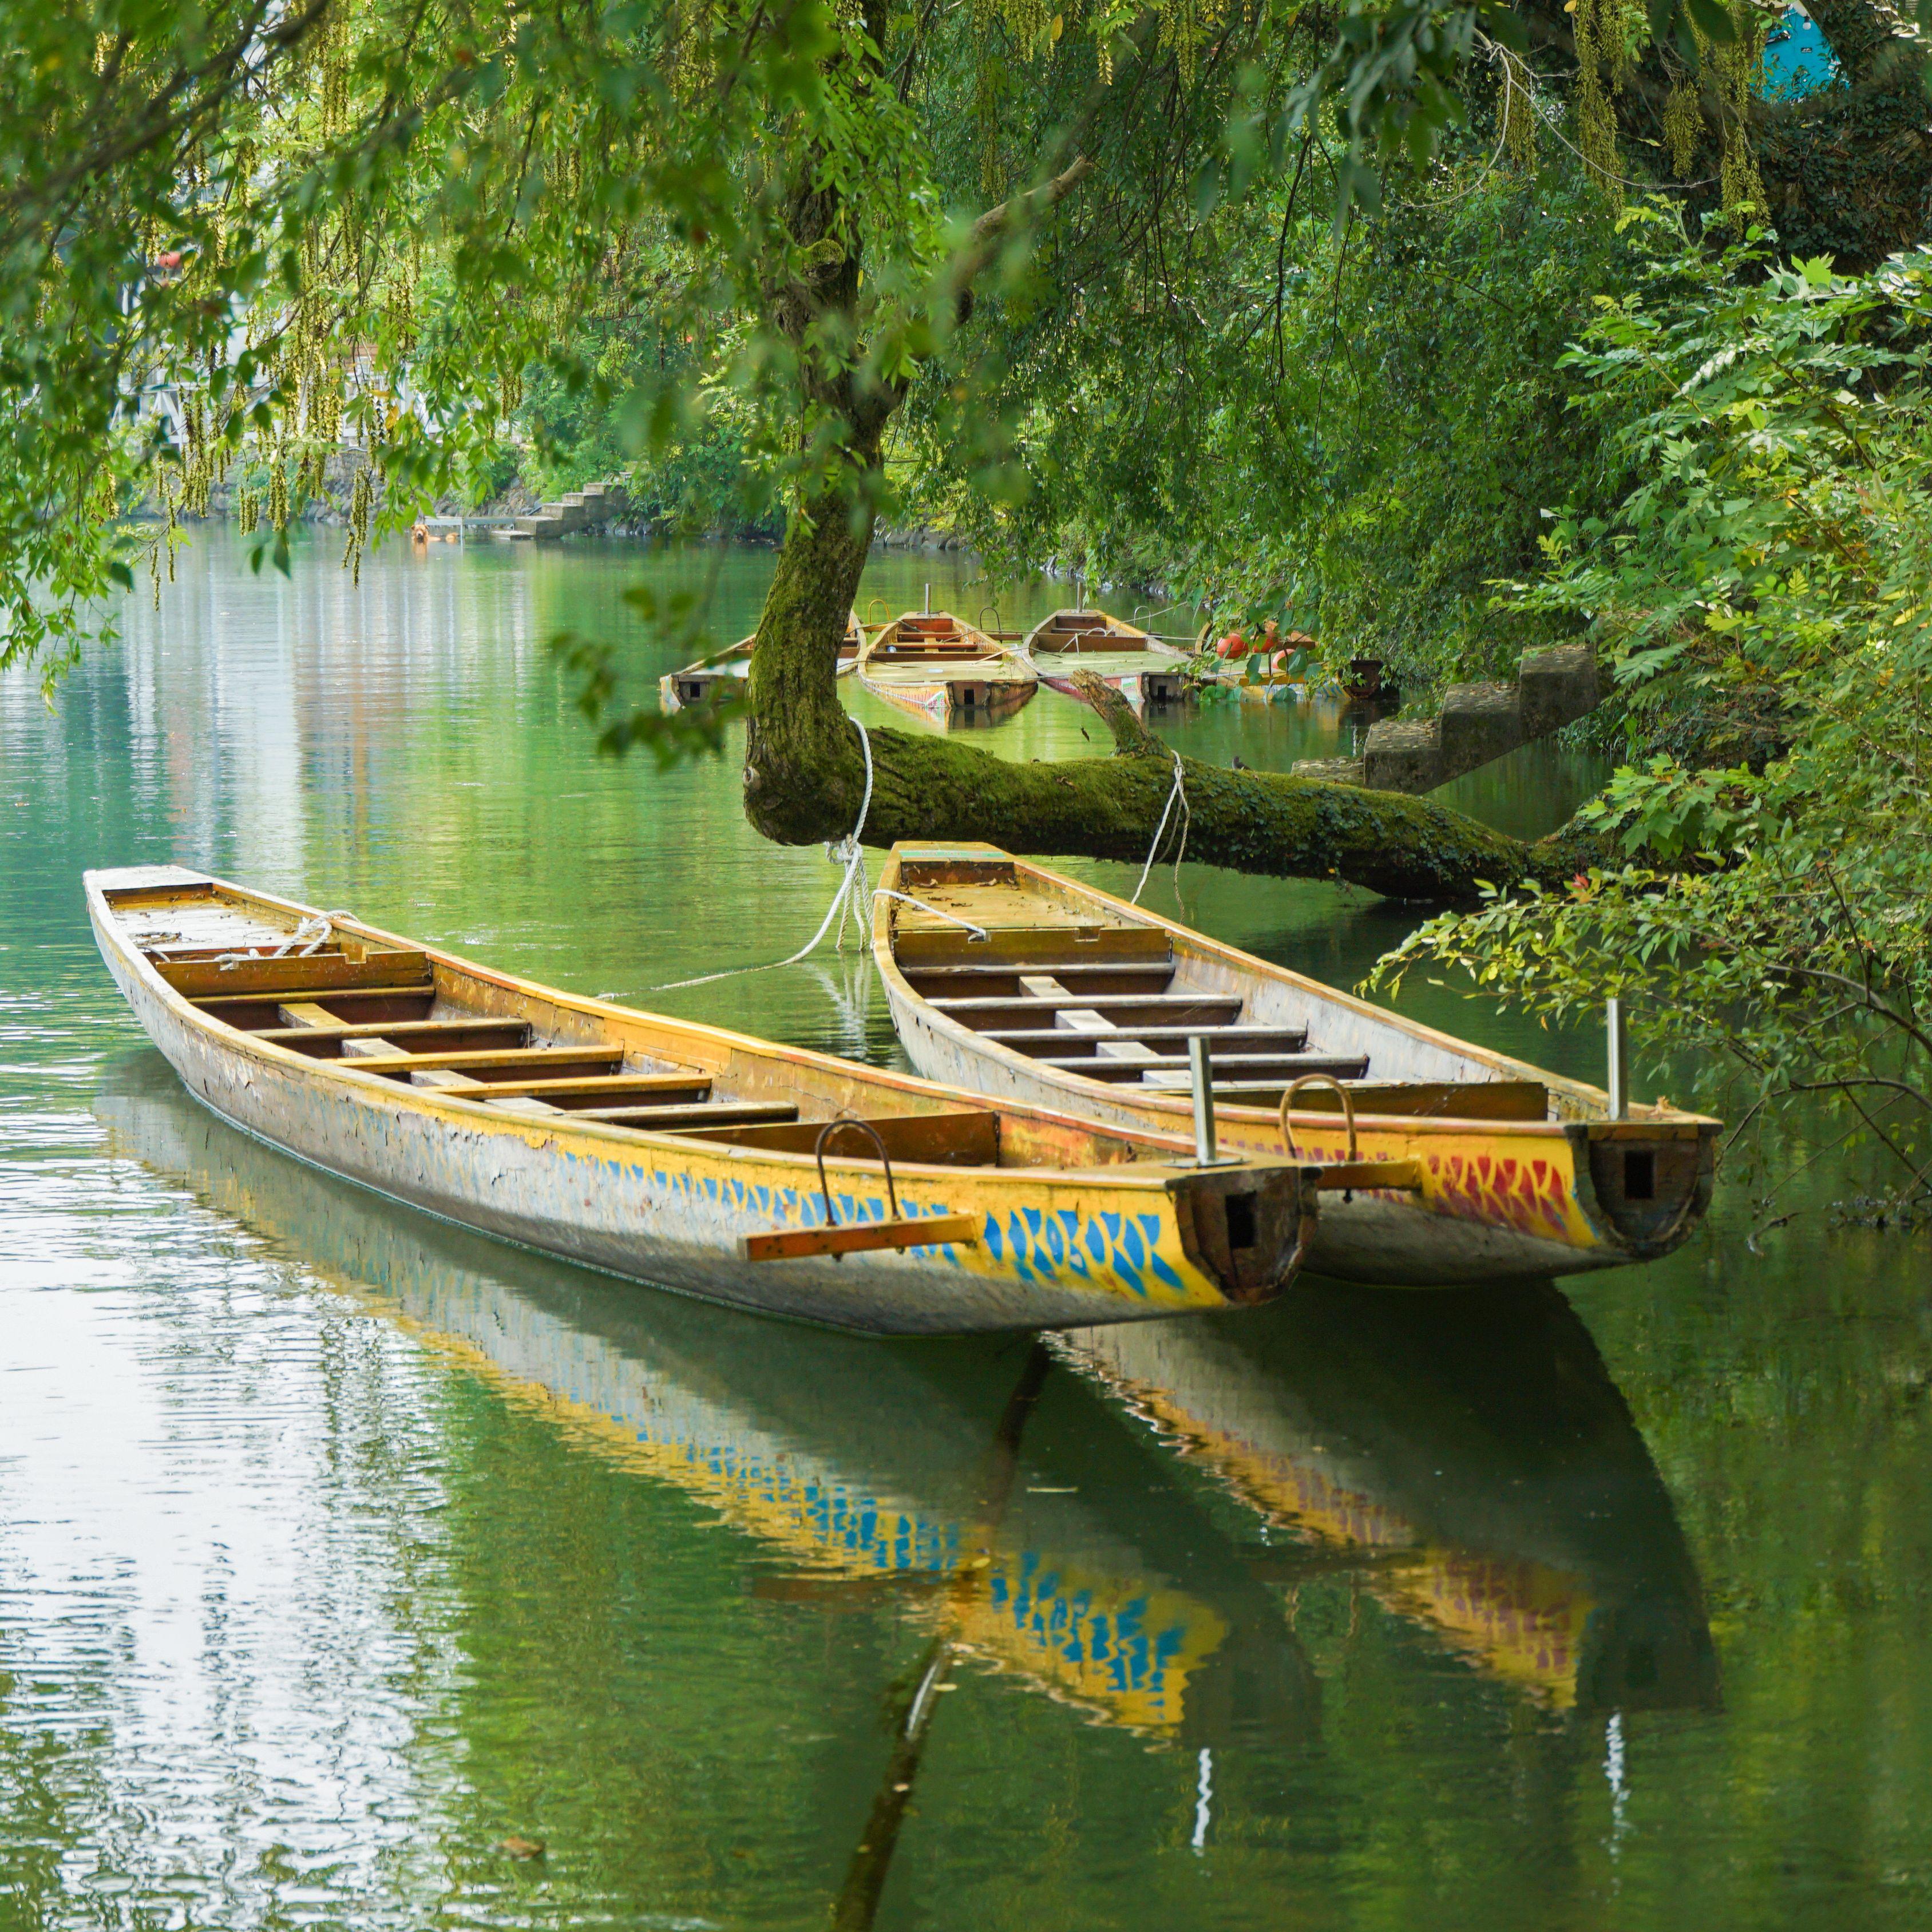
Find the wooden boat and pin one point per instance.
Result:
(940, 667)
(1142, 669)
(856, 1471)
(1464, 1454)
(1070, 998)
(697, 681)
(673, 1152)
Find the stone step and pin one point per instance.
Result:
(1478, 724)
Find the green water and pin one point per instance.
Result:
(337, 1545)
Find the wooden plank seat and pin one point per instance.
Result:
(968, 1139)
(1450, 1099)
(326, 1040)
(509, 1061)
(1000, 980)
(1036, 1040)
(668, 1120)
(252, 1013)
(1284, 1067)
(661, 1103)
(294, 977)
(593, 1090)
(1193, 1009)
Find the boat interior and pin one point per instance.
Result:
(1084, 630)
(306, 984)
(1073, 984)
(1071, 640)
(938, 642)
(966, 671)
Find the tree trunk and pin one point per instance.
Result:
(803, 772)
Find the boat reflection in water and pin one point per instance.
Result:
(1463, 1455)
(1470, 1449)
(1095, 1574)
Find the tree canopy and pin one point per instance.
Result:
(1271, 299)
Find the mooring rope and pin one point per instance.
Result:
(307, 938)
(853, 898)
(951, 919)
(1160, 831)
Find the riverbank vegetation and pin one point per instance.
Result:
(1274, 300)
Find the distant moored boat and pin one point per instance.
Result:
(696, 681)
(1142, 668)
(940, 667)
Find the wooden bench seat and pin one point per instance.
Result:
(1193, 1009)
(1446, 1099)
(510, 1060)
(968, 1139)
(327, 1038)
(1251, 1065)
(252, 1013)
(672, 1119)
(294, 977)
(1000, 980)
(599, 1089)
(1034, 1040)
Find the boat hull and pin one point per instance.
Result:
(1527, 1222)
(1152, 686)
(1056, 1248)
(940, 701)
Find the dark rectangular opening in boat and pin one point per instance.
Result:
(1639, 1174)
(1240, 1208)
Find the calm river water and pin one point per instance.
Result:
(337, 1546)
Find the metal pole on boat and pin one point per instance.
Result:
(1619, 1043)
(928, 600)
(1201, 1068)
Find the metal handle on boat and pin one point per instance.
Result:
(825, 1133)
(1294, 1087)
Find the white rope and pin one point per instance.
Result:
(906, 899)
(853, 898)
(307, 938)
(1160, 831)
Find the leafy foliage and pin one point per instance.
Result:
(1774, 546)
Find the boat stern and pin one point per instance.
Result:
(1249, 1228)
(1644, 1184)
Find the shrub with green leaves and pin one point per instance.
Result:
(1771, 561)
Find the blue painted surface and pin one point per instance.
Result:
(1797, 61)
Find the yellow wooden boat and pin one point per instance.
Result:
(1013, 980)
(1142, 669)
(764, 1176)
(940, 667)
(697, 681)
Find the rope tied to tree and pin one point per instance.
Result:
(853, 898)
(1179, 793)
